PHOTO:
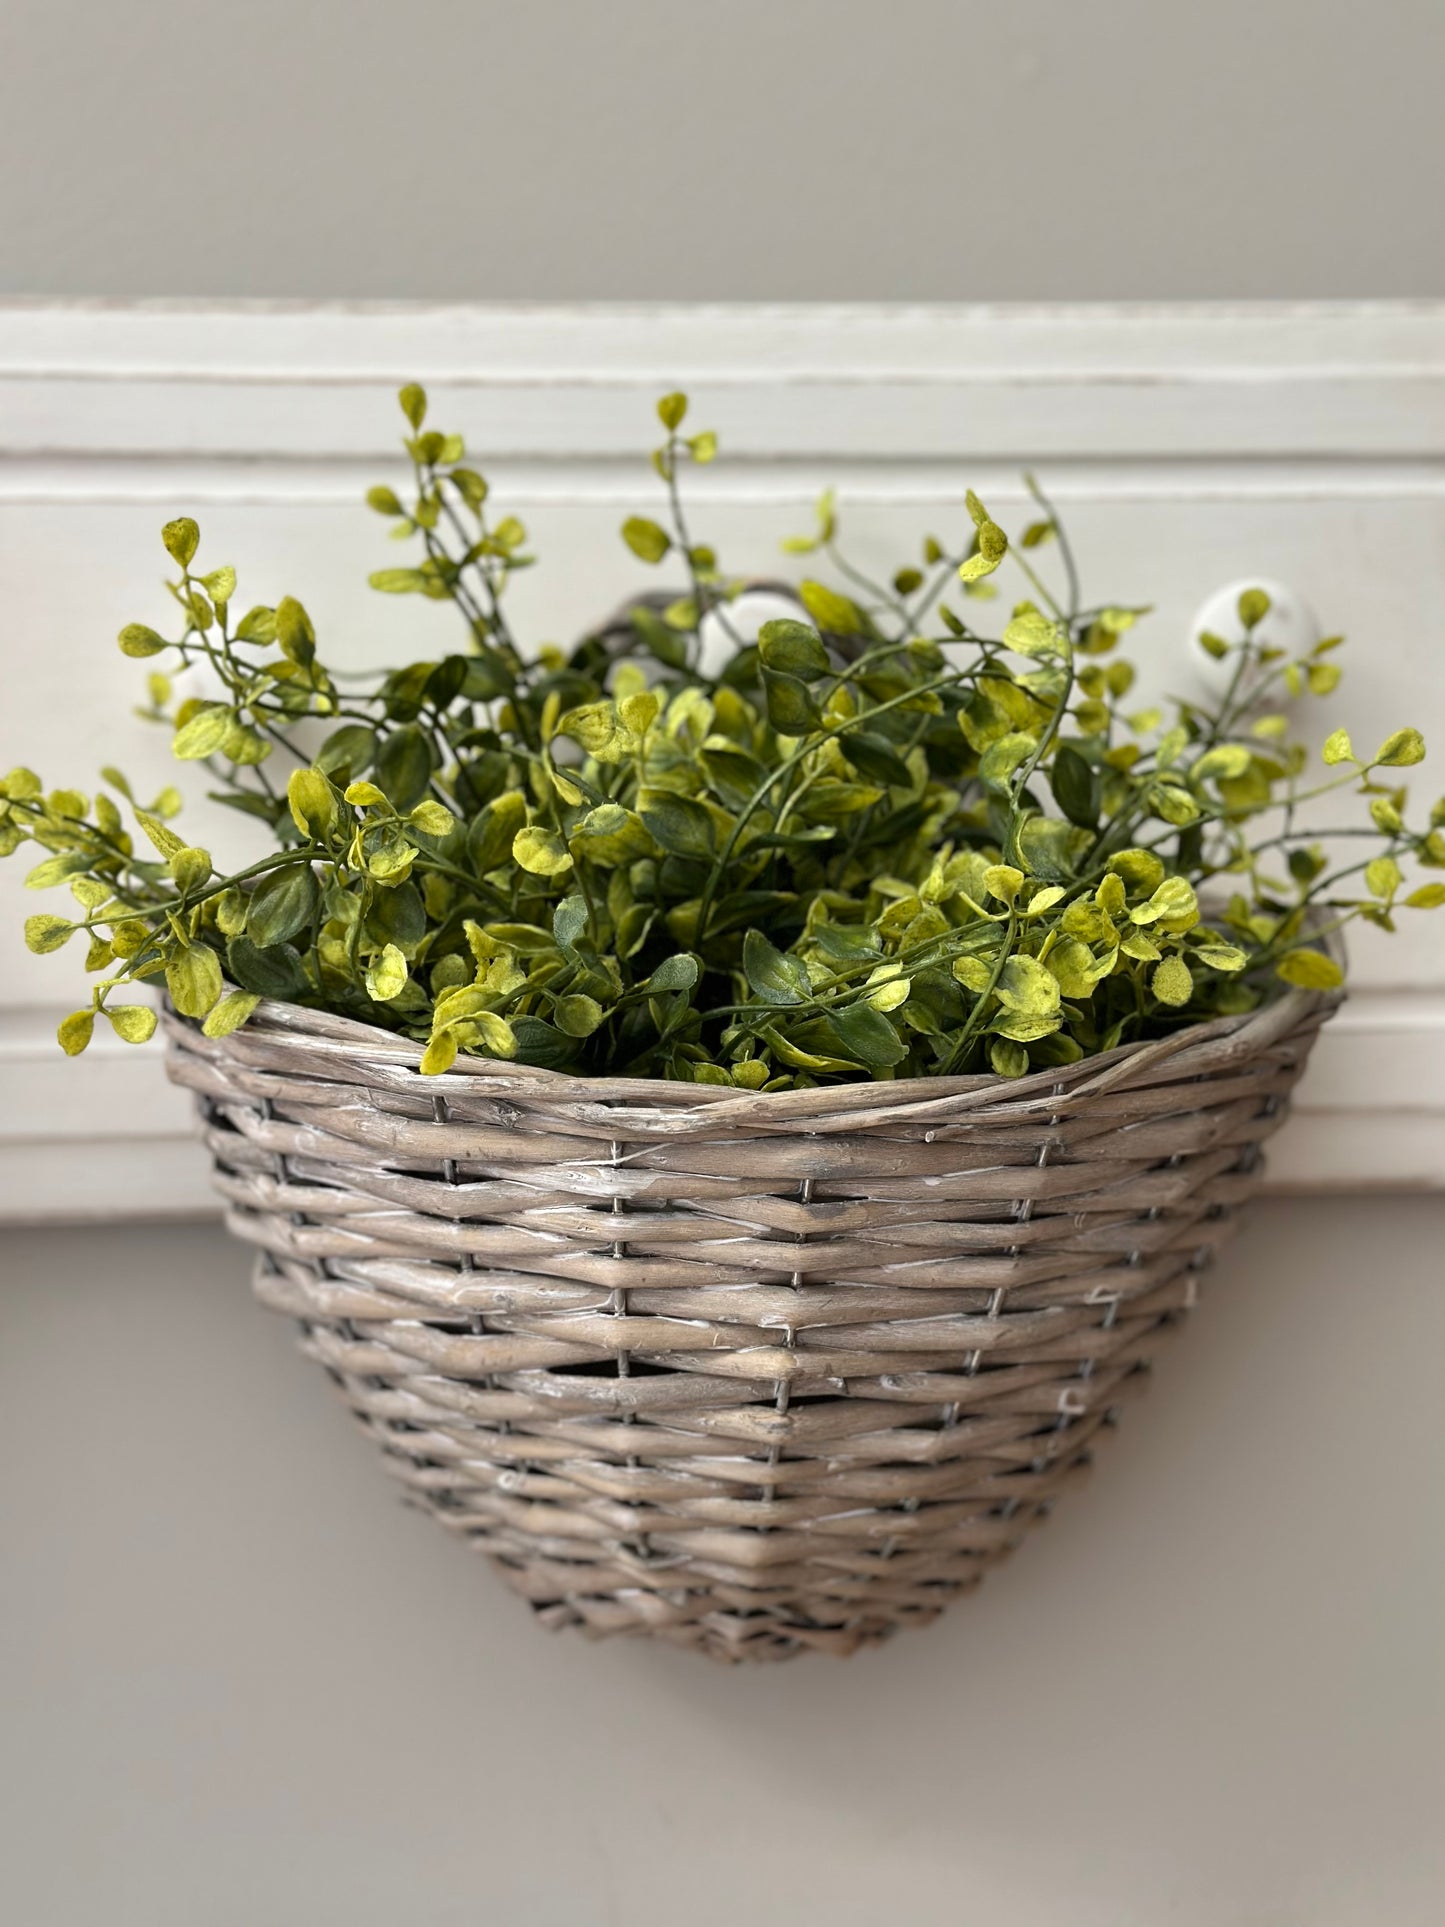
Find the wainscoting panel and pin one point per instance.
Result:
(1186, 447)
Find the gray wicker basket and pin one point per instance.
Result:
(756, 1374)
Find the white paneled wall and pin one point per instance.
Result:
(1185, 446)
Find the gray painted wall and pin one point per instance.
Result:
(242, 1687)
(748, 149)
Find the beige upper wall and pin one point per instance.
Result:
(749, 149)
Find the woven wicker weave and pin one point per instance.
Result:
(754, 1374)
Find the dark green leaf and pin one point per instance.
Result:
(569, 920)
(398, 916)
(867, 1034)
(874, 757)
(791, 709)
(275, 972)
(347, 753)
(793, 649)
(404, 766)
(680, 826)
(446, 681)
(775, 976)
(487, 677)
(543, 1045)
(1075, 787)
(659, 640)
(249, 805)
(493, 830)
(282, 905)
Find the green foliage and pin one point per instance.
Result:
(879, 843)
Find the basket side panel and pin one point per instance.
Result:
(753, 1391)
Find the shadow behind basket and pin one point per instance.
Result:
(757, 1374)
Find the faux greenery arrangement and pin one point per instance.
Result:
(878, 844)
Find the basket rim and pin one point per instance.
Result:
(1220, 1042)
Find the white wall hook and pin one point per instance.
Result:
(1291, 624)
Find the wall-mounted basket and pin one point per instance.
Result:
(756, 1374)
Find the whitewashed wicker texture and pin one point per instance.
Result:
(755, 1374)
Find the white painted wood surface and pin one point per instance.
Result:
(1186, 445)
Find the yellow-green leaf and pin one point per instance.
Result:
(1310, 970)
(433, 818)
(832, 612)
(164, 840)
(365, 796)
(1173, 904)
(137, 640)
(1071, 964)
(220, 585)
(46, 933)
(1028, 987)
(55, 869)
(1221, 956)
(639, 711)
(439, 1055)
(1323, 678)
(230, 1013)
(1171, 982)
(1254, 605)
(193, 978)
(1003, 881)
(294, 632)
(386, 975)
(647, 540)
(671, 410)
(191, 868)
(542, 852)
(75, 1031)
(21, 784)
(1032, 634)
(312, 801)
(202, 734)
(497, 1035)
(973, 973)
(182, 538)
(1404, 747)
(577, 1015)
(133, 1023)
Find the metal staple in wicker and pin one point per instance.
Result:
(755, 1374)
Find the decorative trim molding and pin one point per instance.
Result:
(1301, 412)
(795, 384)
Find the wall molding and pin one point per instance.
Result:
(1318, 415)
(801, 383)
